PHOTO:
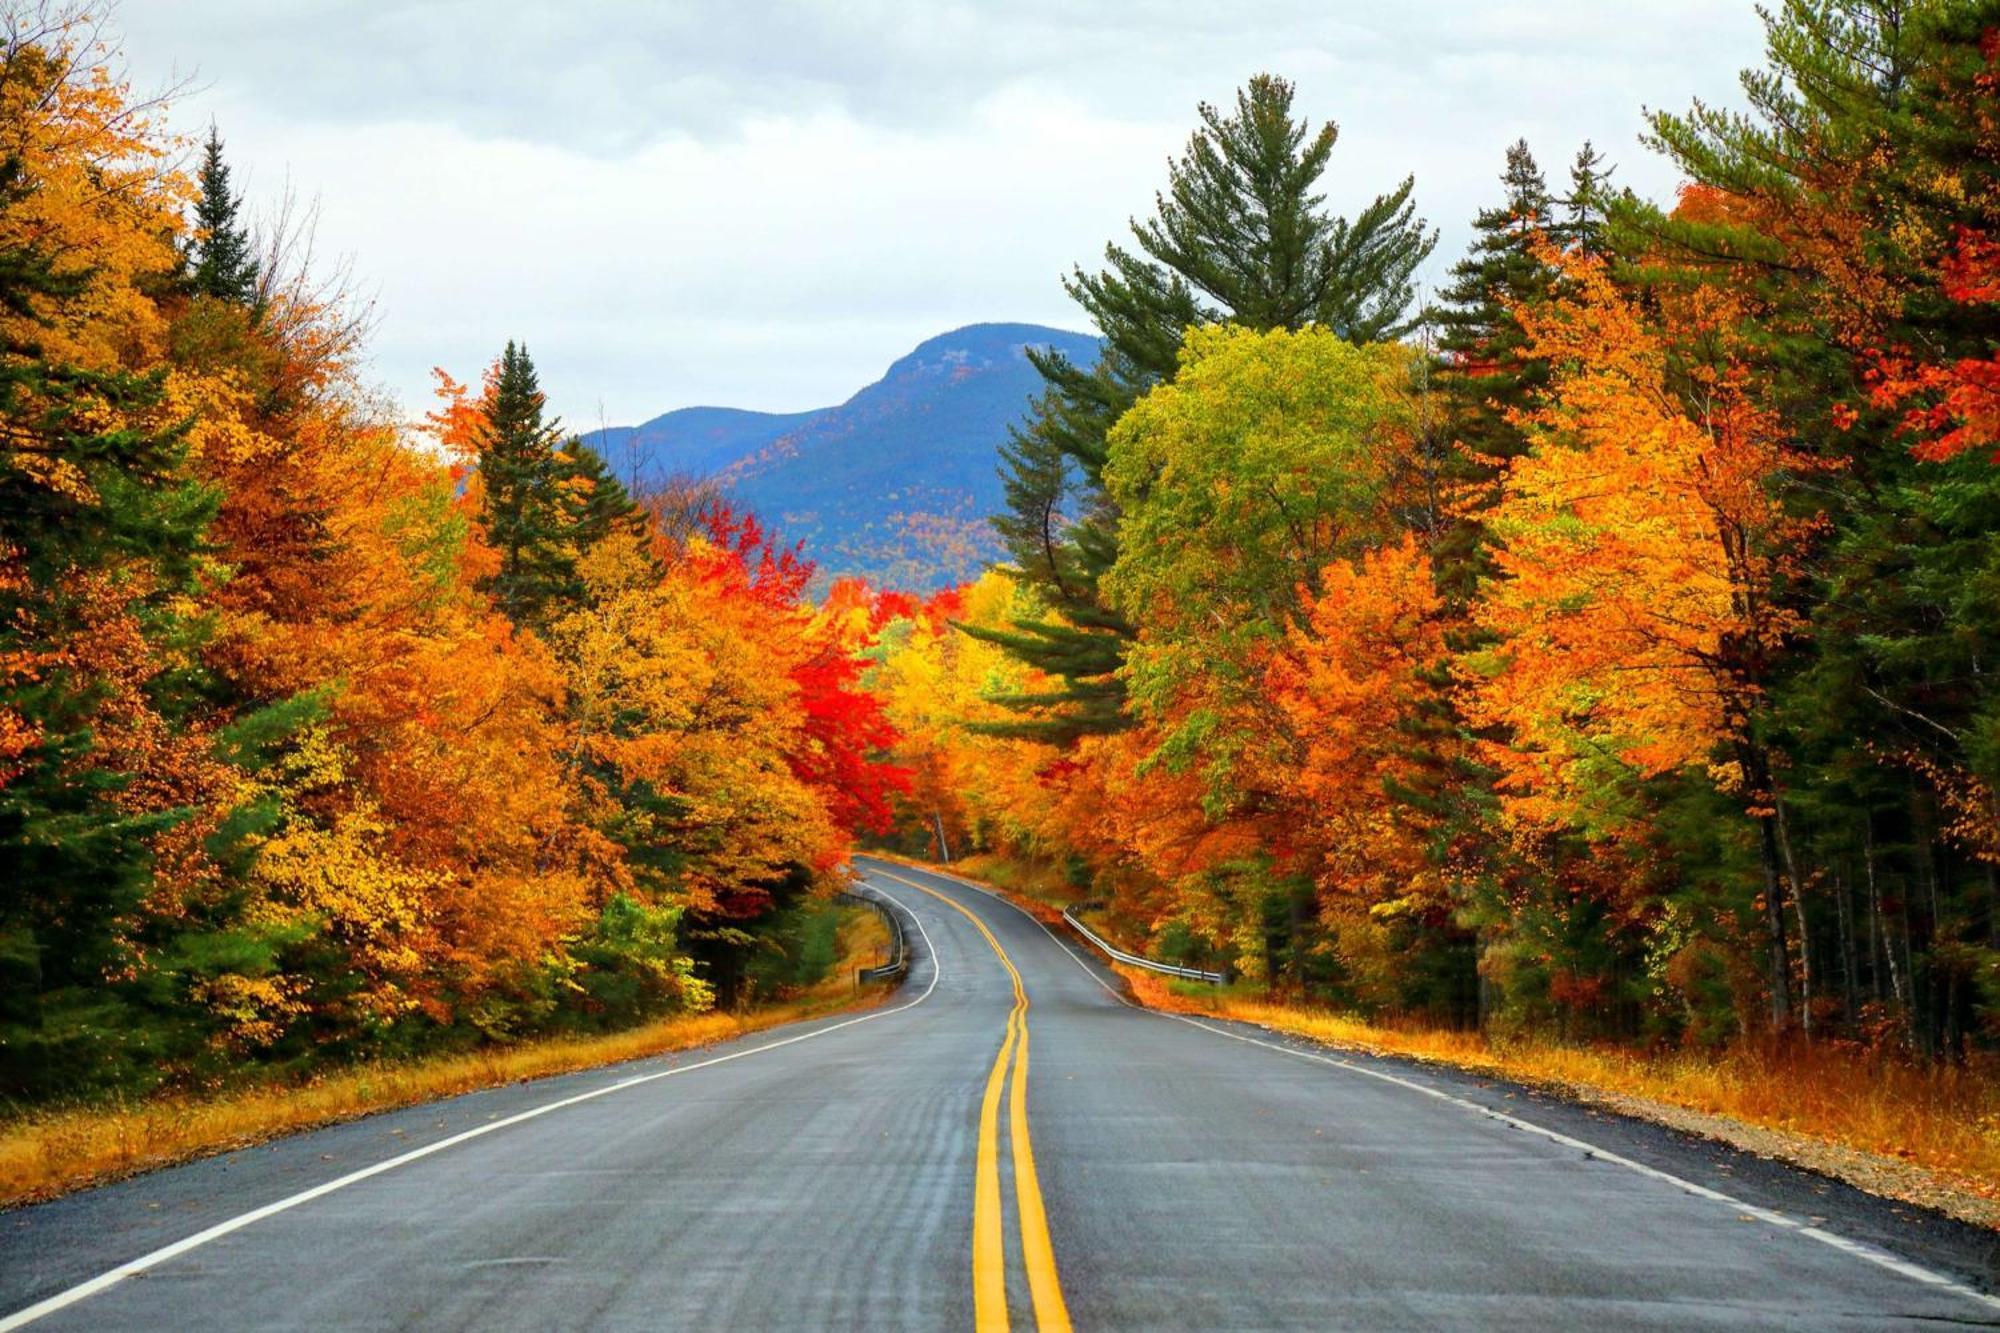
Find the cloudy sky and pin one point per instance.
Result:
(763, 204)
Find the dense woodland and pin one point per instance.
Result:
(1603, 647)
(321, 737)
(1600, 645)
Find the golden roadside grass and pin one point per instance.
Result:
(1926, 1135)
(47, 1153)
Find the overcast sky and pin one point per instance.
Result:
(763, 204)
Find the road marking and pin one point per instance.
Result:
(989, 1253)
(105, 1281)
(1853, 1248)
(1037, 1252)
(1038, 1256)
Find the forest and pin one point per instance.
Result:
(325, 739)
(1599, 645)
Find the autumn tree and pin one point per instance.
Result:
(1355, 671)
(318, 742)
(1267, 459)
(1636, 607)
(1849, 209)
(101, 536)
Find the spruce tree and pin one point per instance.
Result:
(221, 264)
(523, 468)
(598, 504)
(1240, 234)
(1483, 374)
(1585, 210)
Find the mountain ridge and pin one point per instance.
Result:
(895, 482)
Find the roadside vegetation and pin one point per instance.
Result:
(53, 1150)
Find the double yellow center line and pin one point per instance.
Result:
(1038, 1256)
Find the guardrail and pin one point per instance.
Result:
(899, 948)
(1131, 959)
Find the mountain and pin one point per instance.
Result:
(895, 483)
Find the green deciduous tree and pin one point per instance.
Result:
(1268, 457)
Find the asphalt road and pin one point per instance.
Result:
(906, 1168)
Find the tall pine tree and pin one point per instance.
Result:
(1484, 375)
(1241, 234)
(1581, 221)
(523, 467)
(220, 262)
(598, 504)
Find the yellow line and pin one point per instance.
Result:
(1038, 1257)
(989, 1258)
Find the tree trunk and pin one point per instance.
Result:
(1774, 924)
(1850, 994)
(1799, 910)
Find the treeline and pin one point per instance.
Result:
(1604, 647)
(320, 739)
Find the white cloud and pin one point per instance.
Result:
(765, 204)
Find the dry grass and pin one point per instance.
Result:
(1942, 1122)
(47, 1153)
(864, 942)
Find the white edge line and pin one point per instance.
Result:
(1857, 1249)
(132, 1268)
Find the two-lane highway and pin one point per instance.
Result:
(913, 1167)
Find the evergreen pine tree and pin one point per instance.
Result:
(221, 262)
(598, 503)
(1240, 234)
(524, 468)
(1581, 226)
(1482, 374)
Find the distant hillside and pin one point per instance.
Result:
(896, 483)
